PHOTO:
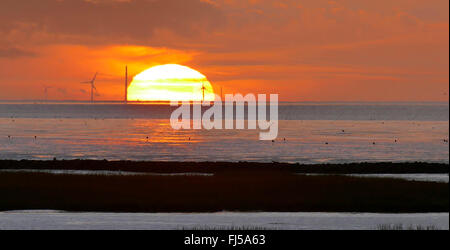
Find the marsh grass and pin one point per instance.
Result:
(401, 227)
(227, 228)
(243, 191)
(232, 187)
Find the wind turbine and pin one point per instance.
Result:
(203, 90)
(92, 82)
(46, 88)
(126, 85)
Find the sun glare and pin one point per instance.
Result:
(170, 82)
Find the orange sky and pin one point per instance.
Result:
(315, 50)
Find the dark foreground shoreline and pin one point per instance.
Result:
(220, 167)
(274, 187)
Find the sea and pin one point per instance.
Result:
(308, 133)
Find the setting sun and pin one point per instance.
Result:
(170, 82)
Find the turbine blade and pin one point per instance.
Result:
(95, 77)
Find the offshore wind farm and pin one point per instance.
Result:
(202, 90)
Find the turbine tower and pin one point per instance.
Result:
(203, 90)
(46, 88)
(92, 83)
(126, 85)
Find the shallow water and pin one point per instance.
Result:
(314, 133)
(98, 172)
(55, 220)
(441, 178)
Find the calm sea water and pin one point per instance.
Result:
(354, 132)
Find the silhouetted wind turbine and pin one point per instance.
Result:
(92, 82)
(126, 85)
(203, 90)
(46, 88)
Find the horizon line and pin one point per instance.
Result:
(37, 101)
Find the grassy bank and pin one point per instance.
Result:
(244, 187)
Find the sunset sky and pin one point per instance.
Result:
(315, 50)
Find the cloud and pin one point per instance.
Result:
(305, 50)
(108, 21)
(15, 52)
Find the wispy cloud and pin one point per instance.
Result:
(15, 52)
